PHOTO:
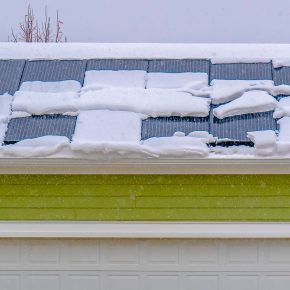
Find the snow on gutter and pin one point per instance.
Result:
(164, 166)
(279, 53)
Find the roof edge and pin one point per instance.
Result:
(164, 166)
(217, 52)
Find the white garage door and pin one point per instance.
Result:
(92, 264)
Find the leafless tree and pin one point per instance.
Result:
(30, 31)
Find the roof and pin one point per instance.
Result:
(145, 102)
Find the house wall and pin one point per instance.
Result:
(145, 197)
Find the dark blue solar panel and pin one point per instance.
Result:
(281, 76)
(117, 64)
(179, 65)
(38, 126)
(54, 70)
(10, 75)
(241, 71)
(167, 126)
(236, 127)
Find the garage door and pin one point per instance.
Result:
(92, 264)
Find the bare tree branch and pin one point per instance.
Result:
(30, 31)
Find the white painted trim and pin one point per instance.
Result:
(142, 230)
(162, 166)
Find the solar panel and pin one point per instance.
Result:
(38, 126)
(167, 126)
(10, 75)
(281, 76)
(54, 70)
(179, 65)
(235, 128)
(117, 64)
(241, 71)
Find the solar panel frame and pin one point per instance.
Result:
(38, 126)
(179, 65)
(167, 126)
(234, 129)
(241, 71)
(10, 75)
(54, 70)
(117, 64)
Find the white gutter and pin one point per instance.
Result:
(143, 230)
(164, 166)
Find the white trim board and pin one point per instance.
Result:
(143, 230)
(169, 166)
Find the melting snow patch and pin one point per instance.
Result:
(151, 102)
(5, 107)
(176, 146)
(265, 142)
(97, 129)
(45, 103)
(37, 147)
(51, 87)
(227, 90)
(249, 102)
(283, 108)
(196, 83)
(95, 80)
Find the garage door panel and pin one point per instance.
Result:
(241, 282)
(79, 282)
(10, 282)
(122, 282)
(276, 282)
(44, 281)
(157, 282)
(276, 252)
(201, 282)
(201, 252)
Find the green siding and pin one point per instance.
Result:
(145, 197)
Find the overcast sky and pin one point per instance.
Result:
(263, 21)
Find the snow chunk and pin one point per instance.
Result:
(102, 127)
(5, 107)
(176, 146)
(249, 102)
(283, 108)
(45, 103)
(203, 135)
(95, 80)
(197, 83)
(284, 129)
(37, 147)
(265, 142)
(227, 90)
(51, 87)
(151, 102)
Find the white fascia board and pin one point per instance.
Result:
(143, 230)
(162, 166)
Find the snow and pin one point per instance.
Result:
(265, 142)
(283, 108)
(102, 127)
(45, 103)
(177, 80)
(37, 147)
(227, 90)
(51, 87)
(176, 146)
(151, 102)
(95, 80)
(284, 129)
(5, 107)
(249, 102)
(217, 52)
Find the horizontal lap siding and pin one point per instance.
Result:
(145, 197)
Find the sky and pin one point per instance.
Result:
(164, 21)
